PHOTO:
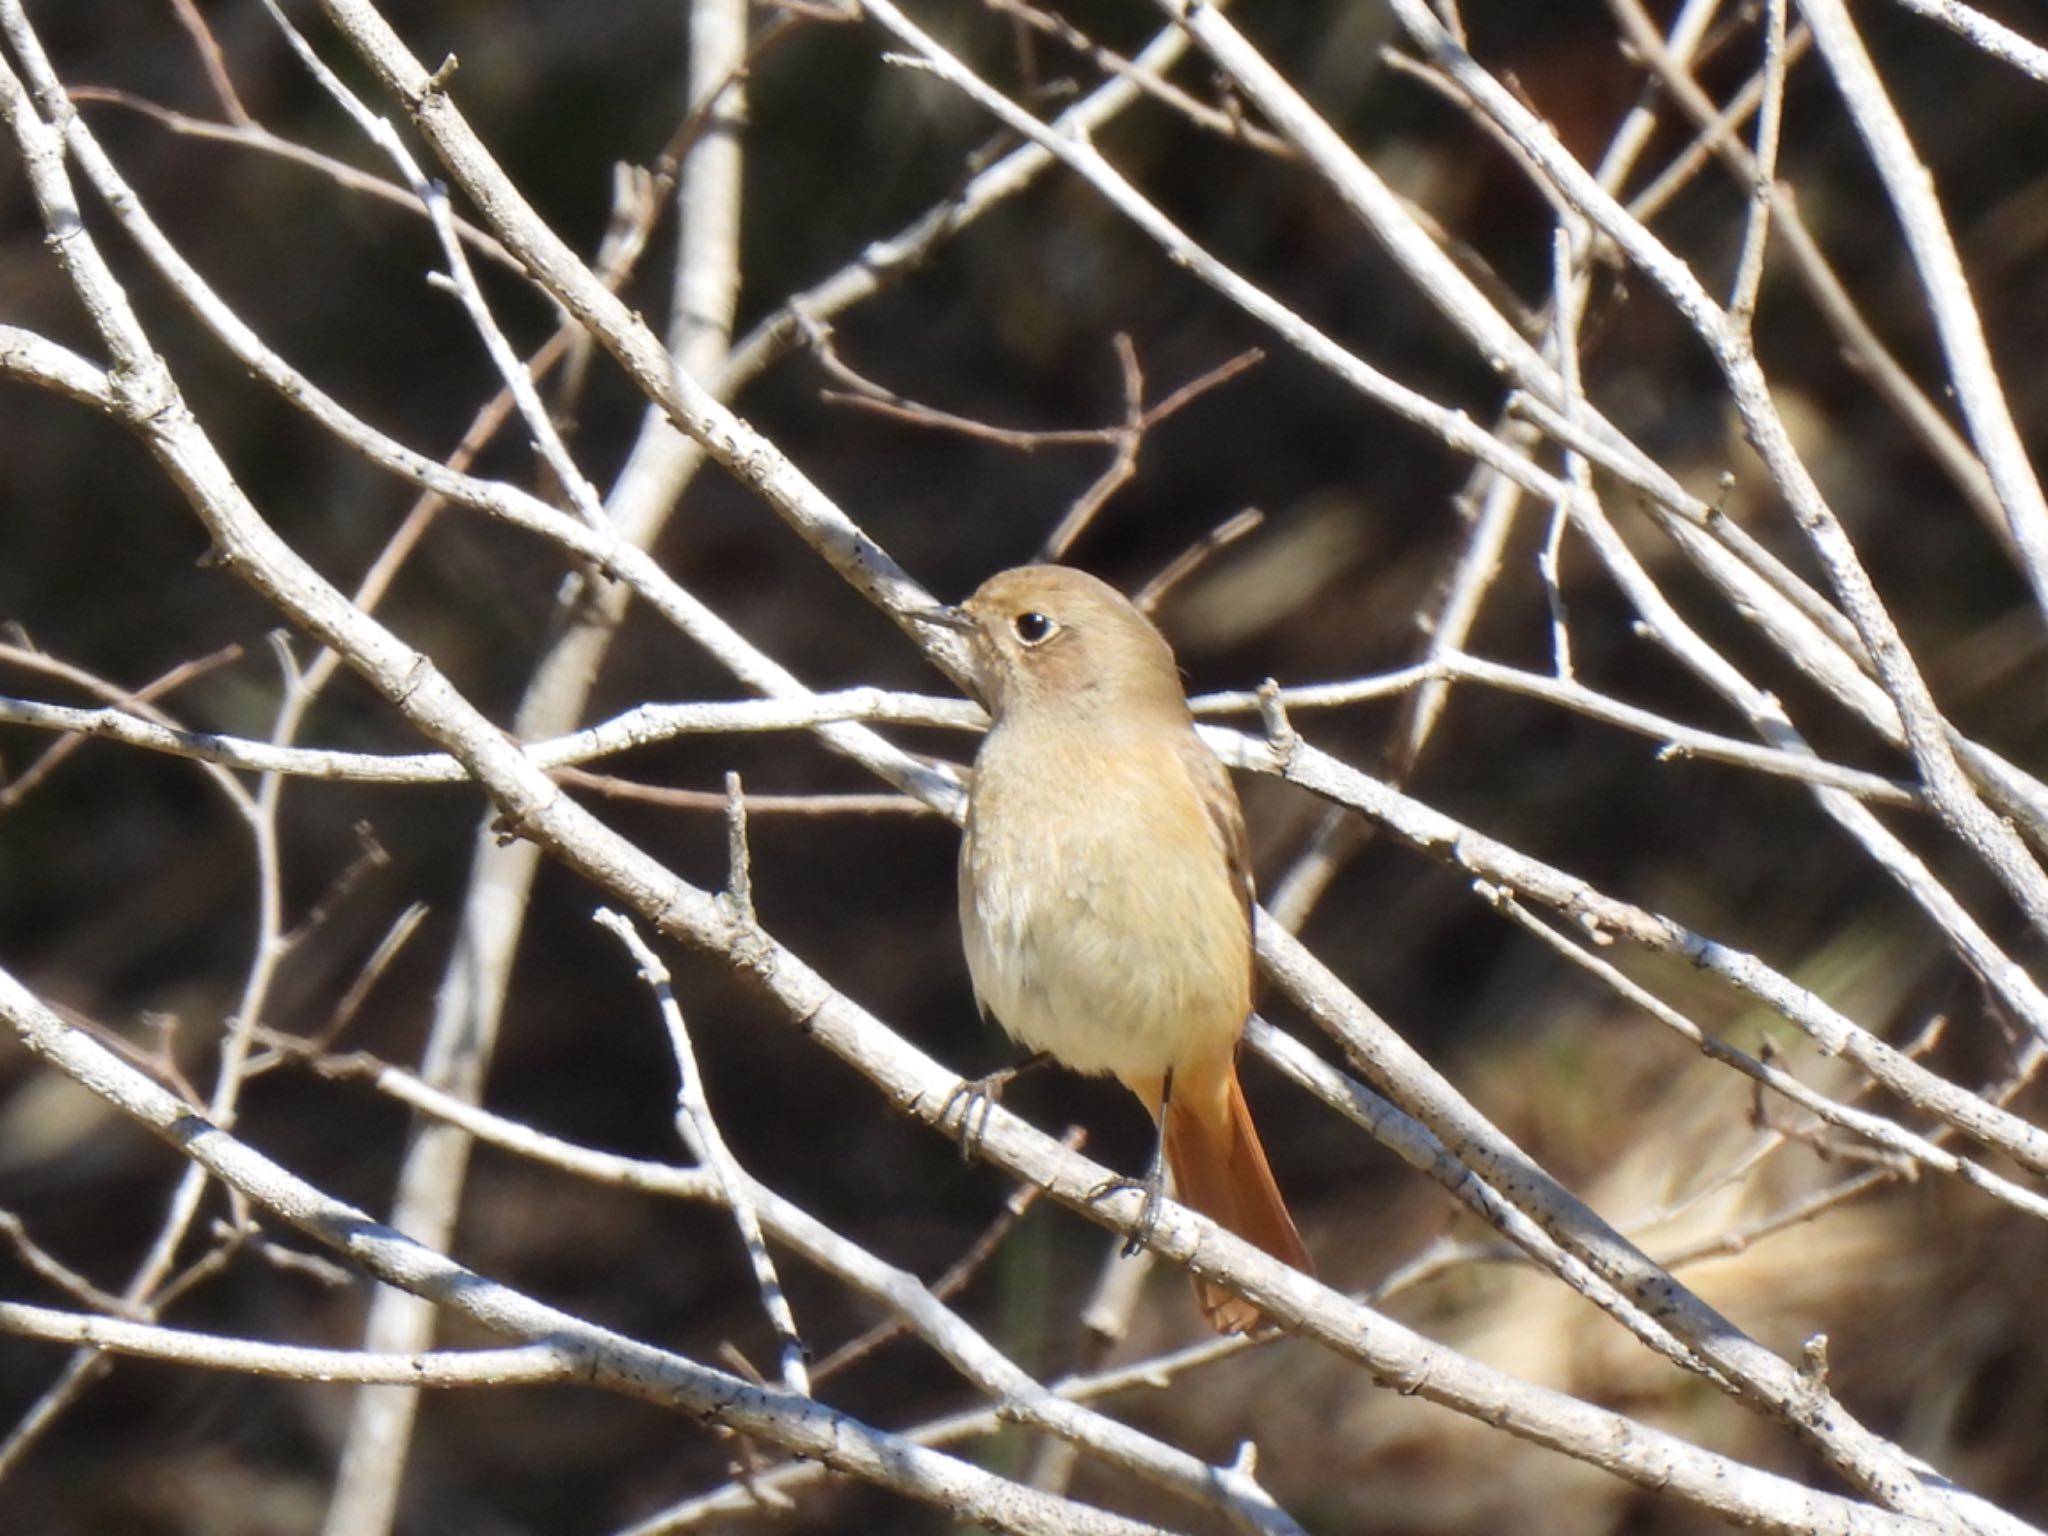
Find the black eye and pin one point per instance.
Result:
(1032, 626)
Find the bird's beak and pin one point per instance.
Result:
(958, 619)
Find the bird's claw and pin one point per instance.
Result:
(977, 1096)
(1152, 1188)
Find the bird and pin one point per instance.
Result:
(1106, 901)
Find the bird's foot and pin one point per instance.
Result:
(1152, 1187)
(977, 1096)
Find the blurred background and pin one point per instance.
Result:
(126, 886)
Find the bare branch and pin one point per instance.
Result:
(2000, 41)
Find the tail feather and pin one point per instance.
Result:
(1220, 1169)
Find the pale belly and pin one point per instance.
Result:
(1097, 948)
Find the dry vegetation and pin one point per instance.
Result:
(442, 500)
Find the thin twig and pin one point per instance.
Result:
(1880, 1132)
(1996, 39)
(1749, 266)
(706, 1142)
(1198, 554)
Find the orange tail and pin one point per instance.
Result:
(1220, 1169)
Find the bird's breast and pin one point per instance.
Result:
(1102, 922)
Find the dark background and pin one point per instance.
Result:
(125, 881)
